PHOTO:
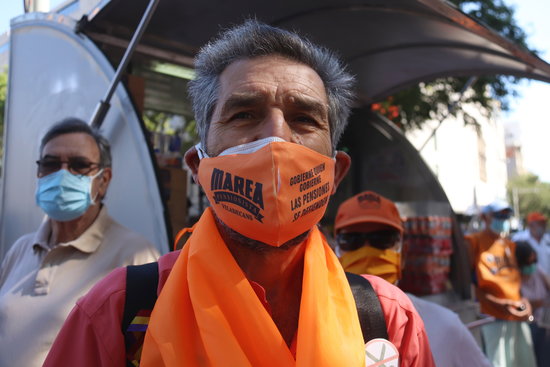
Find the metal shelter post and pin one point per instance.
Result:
(103, 106)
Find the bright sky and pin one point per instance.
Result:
(8, 10)
(530, 110)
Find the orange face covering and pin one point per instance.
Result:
(369, 260)
(268, 190)
(209, 315)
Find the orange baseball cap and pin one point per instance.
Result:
(536, 217)
(369, 207)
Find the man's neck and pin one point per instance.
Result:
(280, 273)
(63, 232)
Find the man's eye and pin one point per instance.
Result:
(50, 164)
(80, 165)
(47, 167)
(241, 116)
(305, 119)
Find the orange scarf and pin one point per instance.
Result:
(208, 314)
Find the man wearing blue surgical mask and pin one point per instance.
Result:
(497, 281)
(45, 272)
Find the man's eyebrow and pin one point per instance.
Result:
(251, 99)
(51, 156)
(240, 100)
(309, 104)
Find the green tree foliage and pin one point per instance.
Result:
(413, 106)
(531, 194)
(155, 121)
(158, 122)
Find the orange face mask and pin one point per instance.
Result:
(369, 260)
(268, 190)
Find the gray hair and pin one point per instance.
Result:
(253, 39)
(75, 125)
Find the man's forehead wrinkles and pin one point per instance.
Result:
(72, 149)
(263, 77)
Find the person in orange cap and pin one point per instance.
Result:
(369, 232)
(369, 236)
(535, 234)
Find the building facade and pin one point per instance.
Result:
(469, 160)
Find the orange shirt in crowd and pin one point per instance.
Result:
(493, 259)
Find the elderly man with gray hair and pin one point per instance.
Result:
(256, 283)
(44, 273)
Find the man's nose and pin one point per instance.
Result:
(275, 124)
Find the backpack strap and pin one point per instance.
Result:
(141, 295)
(371, 316)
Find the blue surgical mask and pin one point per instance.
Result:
(529, 269)
(500, 225)
(64, 196)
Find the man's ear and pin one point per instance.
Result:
(103, 182)
(341, 168)
(192, 160)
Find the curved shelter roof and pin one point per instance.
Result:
(388, 44)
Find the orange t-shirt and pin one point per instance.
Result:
(497, 273)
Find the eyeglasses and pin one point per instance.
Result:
(380, 239)
(503, 215)
(75, 165)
